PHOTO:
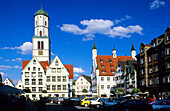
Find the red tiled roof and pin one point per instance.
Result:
(107, 64)
(24, 63)
(44, 64)
(70, 70)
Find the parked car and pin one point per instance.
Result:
(97, 102)
(131, 105)
(72, 101)
(58, 100)
(161, 105)
(86, 101)
(107, 103)
(148, 100)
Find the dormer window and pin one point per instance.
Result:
(110, 61)
(102, 66)
(56, 62)
(111, 66)
(103, 71)
(34, 61)
(101, 61)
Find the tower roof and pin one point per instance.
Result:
(132, 47)
(114, 48)
(94, 46)
(41, 12)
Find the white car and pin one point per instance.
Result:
(97, 102)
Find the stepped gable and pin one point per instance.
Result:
(109, 61)
(70, 70)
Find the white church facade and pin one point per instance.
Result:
(40, 74)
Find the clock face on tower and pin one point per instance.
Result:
(40, 52)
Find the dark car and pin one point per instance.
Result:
(58, 100)
(163, 105)
(148, 100)
(107, 103)
(72, 101)
(131, 105)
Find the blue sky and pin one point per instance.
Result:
(73, 26)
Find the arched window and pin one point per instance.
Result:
(42, 45)
(40, 33)
(45, 23)
(38, 44)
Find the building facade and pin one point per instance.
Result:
(8, 82)
(103, 71)
(40, 74)
(83, 82)
(153, 66)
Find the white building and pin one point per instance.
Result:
(83, 82)
(8, 82)
(19, 85)
(103, 71)
(39, 73)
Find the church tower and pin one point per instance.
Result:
(133, 52)
(94, 54)
(114, 52)
(41, 41)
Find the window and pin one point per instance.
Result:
(81, 83)
(150, 58)
(143, 82)
(156, 56)
(26, 74)
(142, 61)
(102, 86)
(40, 89)
(45, 23)
(113, 71)
(156, 68)
(48, 78)
(168, 50)
(33, 82)
(28, 68)
(111, 66)
(101, 61)
(102, 66)
(40, 82)
(53, 70)
(108, 86)
(150, 69)
(163, 53)
(59, 70)
(56, 62)
(26, 81)
(33, 89)
(64, 78)
(168, 37)
(110, 61)
(38, 44)
(102, 78)
(58, 78)
(53, 78)
(150, 81)
(164, 79)
(157, 80)
(34, 68)
(19, 85)
(42, 45)
(64, 87)
(48, 87)
(40, 33)
(103, 71)
(33, 74)
(39, 74)
(108, 78)
(36, 22)
(53, 87)
(113, 79)
(38, 69)
(58, 87)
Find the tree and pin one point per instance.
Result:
(84, 91)
(136, 90)
(27, 90)
(44, 91)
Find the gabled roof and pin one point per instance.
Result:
(122, 64)
(87, 78)
(44, 64)
(133, 64)
(9, 81)
(70, 70)
(107, 64)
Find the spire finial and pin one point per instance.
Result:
(114, 48)
(41, 4)
(94, 46)
(132, 47)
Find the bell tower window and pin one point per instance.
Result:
(38, 44)
(45, 23)
(42, 45)
(40, 33)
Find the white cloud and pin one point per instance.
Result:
(17, 67)
(3, 67)
(104, 27)
(25, 48)
(17, 59)
(156, 4)
(3, 74)
(76, 75)
(52, 53)
(78, 70)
